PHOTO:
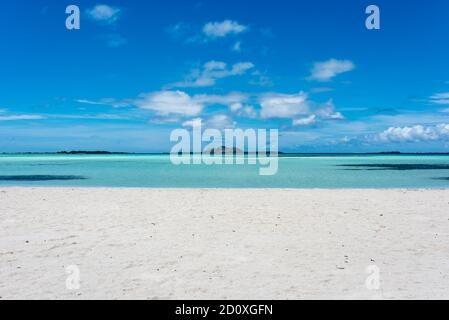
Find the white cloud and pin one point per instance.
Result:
(218, 121)
(21, 117)
(409, 119)
(305, 121)
(211, 72)
(441, 101)
(179, 103)
(327, 70)
(415, 133)
(165, 119)
(276, 105)
(236, 107)
(197, 122)
(223, 29)
(106, 102)
(210, 31)
(327, 112)
(104, 13)
(440, 98)
(89, 102)
(230, 99)
(176, 105)
(169, 103)
(103, 116)
(248, 111)
(298, 108)
(261, 79)
(243, 110)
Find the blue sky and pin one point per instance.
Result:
(137, 70)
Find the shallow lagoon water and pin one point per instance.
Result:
(295, 171)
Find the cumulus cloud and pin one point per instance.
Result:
(210, 31)
(415, 133)
(326, 70)
(226, 100)
(223, 29)
(197, 122)
(327, 112)
(211, 72)
(235, 107)
(248, 112)
(169, 103)
(261, 79)
(319, 113)
(297, 107)
(179, 103)
(242, 110)
(104, 13)
(218, 121)
(310, 120)
(173, 105)
(276, 105)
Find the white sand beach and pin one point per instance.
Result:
(224, 244)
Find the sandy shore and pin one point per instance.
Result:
(223, 244)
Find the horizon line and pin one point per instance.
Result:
(98, 152)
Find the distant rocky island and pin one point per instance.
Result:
(90, 152)
(224, 150)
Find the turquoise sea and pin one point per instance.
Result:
(295, 171)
